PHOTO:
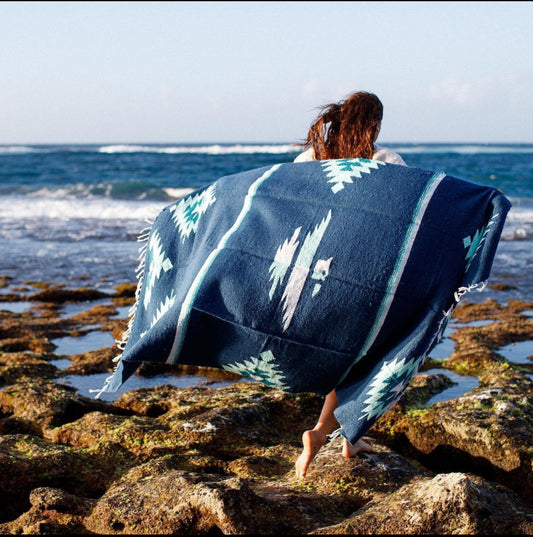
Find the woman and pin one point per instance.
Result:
(347, 129)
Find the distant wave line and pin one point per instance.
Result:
(17, 150)
(245, 148)
(100, 191)
(462, 149)
(20, 209)
(215, 149)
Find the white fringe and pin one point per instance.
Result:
(335, 434)
(463, 290)
(458, 295)
(142, 237)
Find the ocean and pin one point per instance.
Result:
(71, 214)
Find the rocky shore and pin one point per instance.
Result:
(217, 457)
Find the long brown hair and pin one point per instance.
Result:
(347, 129)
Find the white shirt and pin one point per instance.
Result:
(381, 153)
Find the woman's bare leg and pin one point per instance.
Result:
(315, 438)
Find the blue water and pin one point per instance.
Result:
(66, 346)
(462, 384)
(520, 352)
(71, 213)
(86, 384)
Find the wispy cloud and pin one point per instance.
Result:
(309, 89)
(504, 87)
(457, 92)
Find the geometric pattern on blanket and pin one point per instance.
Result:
(313, 276)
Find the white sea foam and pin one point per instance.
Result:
(518, 215)
(215, 149)
(209, 149)
(70, 203)
(519, 222)
(16, 149)
(15, 208)
(177, 193)
(96, 192)
(75, 191)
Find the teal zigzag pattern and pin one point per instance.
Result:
(156, 262)
(343, 171)
(263, 369)
(163, 308)
(388, 386)
(474, 243)
(187, 213)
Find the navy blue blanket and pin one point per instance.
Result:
(313, 276)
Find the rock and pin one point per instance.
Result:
(225, 422)
(17, 366)
(44, 522)
(423, 387)
(136, 434)
(91, 362)
(52, 511)
(44, 404)
(502, 287)
(454, 503)
(150, 369)
(160, 497)
(95, 314)
(365, 475)
(46, 498)
(27, 462)
(205, 460)
(26, 331)
(151, 402)
(59, 294)
(156, 498)
(125, 290)
(9, 297)
(489, 430)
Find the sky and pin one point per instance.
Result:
(178, 72)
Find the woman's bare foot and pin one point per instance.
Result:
(349, 450)
(312, 440)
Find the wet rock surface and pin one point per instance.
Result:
(203, 459)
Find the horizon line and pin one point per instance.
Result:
(257, 143)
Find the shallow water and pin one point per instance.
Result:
(446, 346)
(481, 322)
(73, 308)
(518, 353)
(61, 363)
(123, 312)
(443, 349)
(16, 307)
(464, 384)
(77, 345)
(86, 385)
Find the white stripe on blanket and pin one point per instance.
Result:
(185, 312)
(399, 267)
